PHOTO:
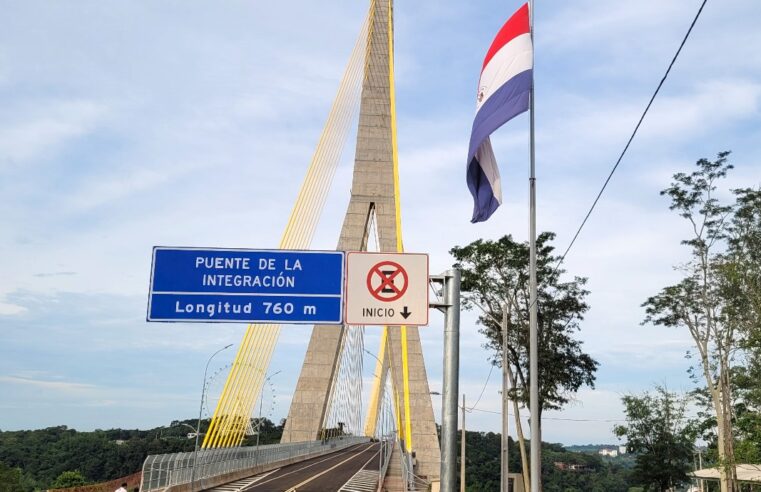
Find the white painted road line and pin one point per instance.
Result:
(241, 484)
(362, 481)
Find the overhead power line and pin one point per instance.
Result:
(472, 409)
(631, 138)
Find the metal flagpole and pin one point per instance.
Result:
(536, 439)
(505, 388)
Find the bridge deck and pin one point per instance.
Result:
(338, 471)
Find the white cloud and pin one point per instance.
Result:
(720, 101)
(60, 386)
(100, 192)
(588, 23)
(43, 129)
(196, 129)
(593, 127)
(7, 309)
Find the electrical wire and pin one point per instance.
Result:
(631, 138)
(562, 419)
(482, 390)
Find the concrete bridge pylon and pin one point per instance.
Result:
(374, 198)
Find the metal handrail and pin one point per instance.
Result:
(166, 470)
(406, 458)
(411, 481)
(386, 448)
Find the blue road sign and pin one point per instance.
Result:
(246, 286)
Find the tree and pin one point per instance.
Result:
(44, 454)
(739, 277)
(69, 479)
(10, 479)
(705, 301)
(747, 413)
(658, 431)
(495, 272)
(740, 270)
(495, 277)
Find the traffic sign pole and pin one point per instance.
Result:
(450, 281)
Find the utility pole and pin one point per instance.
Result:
(462, 448)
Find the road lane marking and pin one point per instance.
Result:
(363, 480)
(293, 489)
(239, 485)
(330, 457)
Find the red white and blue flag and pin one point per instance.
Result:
(503, 92)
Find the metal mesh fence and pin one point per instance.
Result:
(165, 470)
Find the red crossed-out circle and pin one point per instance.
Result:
(387, 290)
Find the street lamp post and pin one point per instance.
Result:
(261, 401)
(200, 412)
(195, 431)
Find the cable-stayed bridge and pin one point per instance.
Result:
(326, 444)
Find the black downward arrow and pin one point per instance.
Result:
(406, 312)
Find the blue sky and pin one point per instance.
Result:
(126, 125)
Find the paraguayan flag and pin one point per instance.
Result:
(503, 92)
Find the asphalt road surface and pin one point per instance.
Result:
(358, 464)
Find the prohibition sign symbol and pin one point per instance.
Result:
(383, 281)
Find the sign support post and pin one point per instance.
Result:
(451, 308)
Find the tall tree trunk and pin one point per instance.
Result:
(519, 433)
(720, 399)
(719, 386)
(729, 447)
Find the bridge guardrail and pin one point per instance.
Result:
(166, 470)
(387, 447)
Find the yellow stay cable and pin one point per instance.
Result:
(405, 431)
(399, 243)
(247, 374)
(378, 388)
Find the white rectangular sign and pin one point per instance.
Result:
(386, 289)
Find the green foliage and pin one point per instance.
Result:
(741, 285)
(497, 272)
(747, 411)
(658, 431)
(740, 269)
(269, 432)
(718, 301)
(10, 479)
(482, 467)
(592, 473)
(68, 479)
(44, 455)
